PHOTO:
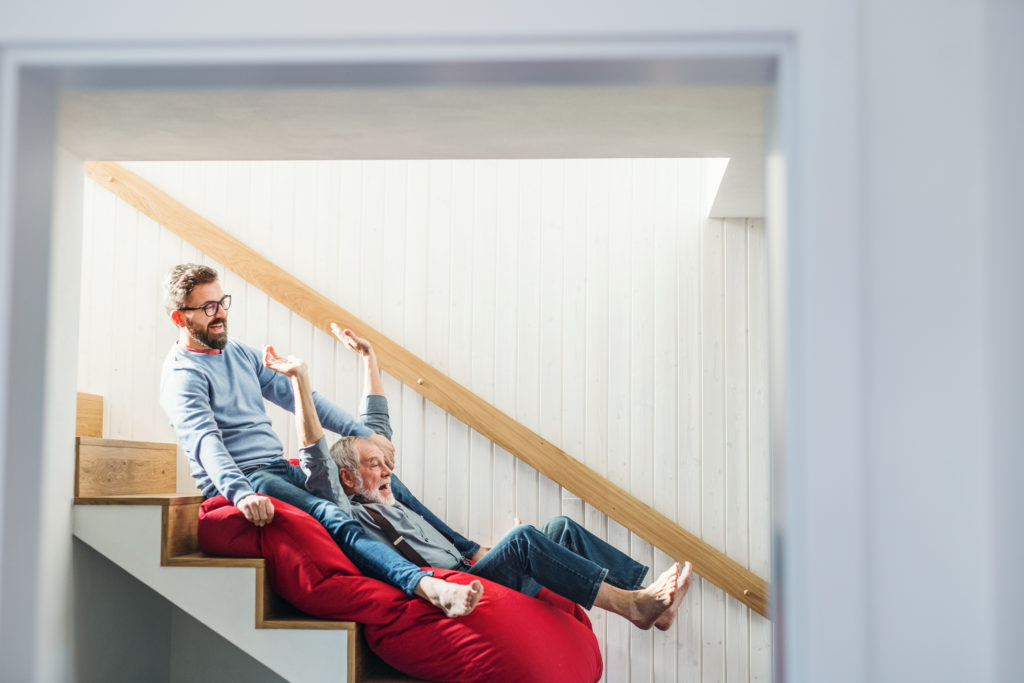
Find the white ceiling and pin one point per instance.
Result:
(432, 123)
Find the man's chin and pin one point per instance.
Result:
(216, 340)
(379, 496)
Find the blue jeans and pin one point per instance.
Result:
(563, 557)
(284, 481)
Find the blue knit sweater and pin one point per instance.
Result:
(215, 405)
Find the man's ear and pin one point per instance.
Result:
(348, 479)
(177, 319)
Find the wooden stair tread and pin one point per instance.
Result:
(201, 559)
(164, 499)
(308, 622)
(126, 443)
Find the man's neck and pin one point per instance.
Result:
(187, 342)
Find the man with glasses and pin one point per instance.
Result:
(212, 388)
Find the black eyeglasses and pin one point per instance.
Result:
(211, 307)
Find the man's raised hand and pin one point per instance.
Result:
(257, 509)
(346, 337)
(290, 366)
(373, 382)
(385, 445)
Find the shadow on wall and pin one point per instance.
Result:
(125, 632)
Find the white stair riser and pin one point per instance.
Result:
(223, 598)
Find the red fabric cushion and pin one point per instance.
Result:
(508, 637)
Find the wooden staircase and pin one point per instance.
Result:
(125, 507)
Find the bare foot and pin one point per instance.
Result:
(651, 602)
(667, 617)
(454, 599)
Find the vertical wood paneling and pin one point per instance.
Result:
(588, 298)
(597, 199)
(372, 240)
(350, 209)
(549, 404)
(713, 444)
(596, 230)
(664, 306)
(507, 217)
(327, 267)
(459, 342)
(391, 277)
(482, 238)
(619, 399)
(415, 276)
(527, 350)
(758, 440)
(642, 218)
(121, 359)
(279, 334)
(689, 379)
(438, 308)
(573, 321)
(282, 213)
(736, 466)
(145, 295)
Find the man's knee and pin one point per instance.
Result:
(515, 545)
(521, 533)
(557, 525)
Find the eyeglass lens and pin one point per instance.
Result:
(211, 308)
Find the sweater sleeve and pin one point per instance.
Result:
(374, 411)
(277, 389)
(185, 398)
(322, 474)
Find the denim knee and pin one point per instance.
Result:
(521, 530)
(557, 525)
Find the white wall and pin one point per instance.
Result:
(125, 632)
(587, 299)
(196, 651)
(122, 628)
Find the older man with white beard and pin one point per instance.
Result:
(560, 555)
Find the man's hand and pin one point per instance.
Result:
(257, 509)
(381, 442)
(290, 366)
(479, 554)
(357, 344)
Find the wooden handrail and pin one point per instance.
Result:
(437, 387)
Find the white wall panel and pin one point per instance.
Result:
(589, 299)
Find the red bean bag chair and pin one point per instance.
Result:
(508, 637)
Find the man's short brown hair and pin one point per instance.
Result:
(182, 279)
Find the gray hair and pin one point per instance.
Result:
(346, 456)
(182, 279)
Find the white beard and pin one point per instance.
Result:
(376, 495)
